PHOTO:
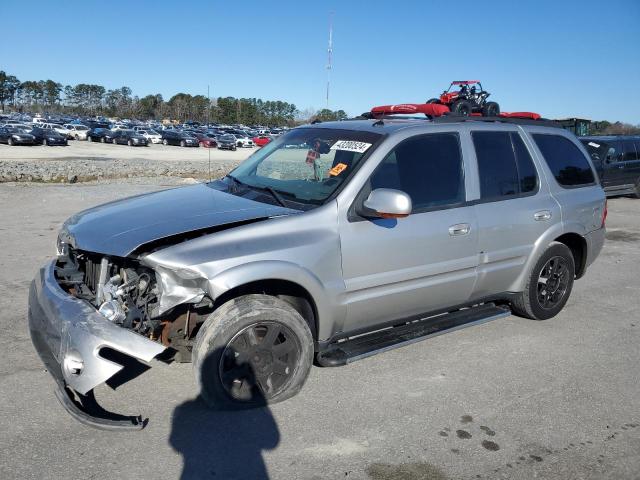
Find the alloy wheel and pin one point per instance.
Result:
(553, 281)
(259, 361)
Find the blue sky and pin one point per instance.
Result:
(559, 58)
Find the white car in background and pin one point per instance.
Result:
(151, 135)
(77, 131)
(61, 129)
(119, 126)
(243, 141)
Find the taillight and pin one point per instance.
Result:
(604, 214)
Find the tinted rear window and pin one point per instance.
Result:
(504, 164)
(567, 163)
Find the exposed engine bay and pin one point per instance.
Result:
(128, 294)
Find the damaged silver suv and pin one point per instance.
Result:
(334, 242)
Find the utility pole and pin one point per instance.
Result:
(329, 55)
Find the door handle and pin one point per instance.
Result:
(459, 229)
(542, 215)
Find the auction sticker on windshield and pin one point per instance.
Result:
(351, 146)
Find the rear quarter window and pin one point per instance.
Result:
(568, 164)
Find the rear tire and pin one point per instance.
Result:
(251, 351)
(182, 143)
(130, 143)
(10, 142)
(637, 193)
(114, 141)
(89, 138)
(45, 143)
(165, 142)
(103, 140)
(549, 284)
(462, 108)
(491, 109)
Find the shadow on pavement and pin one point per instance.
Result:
(224, 444)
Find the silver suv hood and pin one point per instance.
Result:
(119, 228)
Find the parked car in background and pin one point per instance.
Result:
(103, 135)
(173, 137)
(261, 140)
(242, 140)
(128, 137)
(58, 128)
(48, 136)
(205, 140)
(617, 159)
(151, 135)
(227, 142)
(16, 136)
(76, 131)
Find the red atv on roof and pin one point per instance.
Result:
(469, 99)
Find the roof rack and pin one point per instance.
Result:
(543, 122)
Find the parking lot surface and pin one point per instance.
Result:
(513, 398)
(84, 161)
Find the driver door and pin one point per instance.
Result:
(400, 268)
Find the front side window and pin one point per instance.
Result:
(306, 164)
(567, 163)
(505, 167)
(427, 167)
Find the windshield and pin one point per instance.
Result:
(307, 164)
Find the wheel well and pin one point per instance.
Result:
(578, 246)
(292, 293)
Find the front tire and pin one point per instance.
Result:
(251, 351)
(637, 189)
(165, 142)
(130, 143)
(45, 143)
(10, 142)
(549, 284)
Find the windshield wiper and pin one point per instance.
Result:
(276, 196)
(273, 192)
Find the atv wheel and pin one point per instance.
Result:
(461, 108)
(253, 350)
(433, 100)
(549, 284)
(491, 109)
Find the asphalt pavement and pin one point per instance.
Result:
(512, 398)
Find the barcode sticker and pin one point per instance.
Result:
(351, 146)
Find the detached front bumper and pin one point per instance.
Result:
(69, 335)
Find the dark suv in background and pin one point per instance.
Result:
(617, 159)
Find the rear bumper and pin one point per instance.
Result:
(595, 242)
(69, 334)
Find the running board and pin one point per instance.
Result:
(363, 346)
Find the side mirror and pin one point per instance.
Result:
(387, 203)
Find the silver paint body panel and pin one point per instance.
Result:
(359, 273)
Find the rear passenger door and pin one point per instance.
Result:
(512, 211)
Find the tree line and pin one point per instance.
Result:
(48, 96)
